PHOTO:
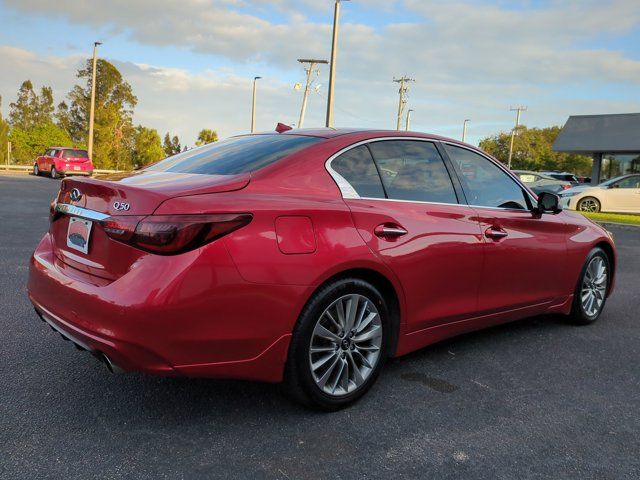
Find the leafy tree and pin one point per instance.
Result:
(171, 145)
(113, 128)
(28, 144)
(4, 137)
(44, 106)
(532, 150)
(23, 112)
(206, 136)
(147, 147)
(63, 118)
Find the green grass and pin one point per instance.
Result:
(613, 217)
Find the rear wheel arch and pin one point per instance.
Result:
(383, 285)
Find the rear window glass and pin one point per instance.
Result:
(75, 154)
(235, 155)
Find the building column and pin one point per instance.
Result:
(595, 170)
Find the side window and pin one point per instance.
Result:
(631, 182)
(413, 170)
(357, 168)
(486, 185)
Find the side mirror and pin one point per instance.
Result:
(548, 203)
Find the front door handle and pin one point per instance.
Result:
(389, 231)
(495, 233)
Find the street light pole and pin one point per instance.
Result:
(332, 67)
(519, 109)
(309, 69)
(253, 105)
(408, 124)
(464, 130)
(93, 100)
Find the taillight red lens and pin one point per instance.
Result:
(121, 228)
(566, 186)
(173, 234)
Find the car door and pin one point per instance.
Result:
(525, 254)
(43, 163)
(413, 221)
(623, 195)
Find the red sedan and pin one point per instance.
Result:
(308, 257)
(60, 161)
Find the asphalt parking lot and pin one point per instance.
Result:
(534, 399)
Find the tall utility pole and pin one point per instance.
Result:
(403, 96)
(332, 67)
(8, 154)
(408, 124)
(464, 129)
(309, 67)
(253, 105)
(519, 109)
(93, 100)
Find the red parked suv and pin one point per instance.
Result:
(61, 161)
(308, 257)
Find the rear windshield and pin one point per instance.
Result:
(235, 155)
(75, 154)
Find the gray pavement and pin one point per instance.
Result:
(534, 399)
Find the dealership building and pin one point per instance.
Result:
(613, 141)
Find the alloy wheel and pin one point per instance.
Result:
(345, 345)
(589, 205)
(594, 286)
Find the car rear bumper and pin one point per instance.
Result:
(85, 173)
(190, 322)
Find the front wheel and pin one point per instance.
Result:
(339, 345)
(36, 170)
(589, 204)
(593, 285)
(54, 173)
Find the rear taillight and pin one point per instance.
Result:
(566, 186)
(172, 234)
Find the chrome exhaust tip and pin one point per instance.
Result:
(112, 367)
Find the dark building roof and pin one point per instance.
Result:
(600, 133)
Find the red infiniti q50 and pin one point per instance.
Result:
(308, 257)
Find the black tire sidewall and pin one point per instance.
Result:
(54, 173)
(299, 367)
(578, 310)
(36, 170)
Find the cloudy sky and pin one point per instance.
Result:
(191, 62)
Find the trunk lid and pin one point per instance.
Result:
(132, 194)
(143, 191)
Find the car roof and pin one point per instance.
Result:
(364, 132)
(65, 148)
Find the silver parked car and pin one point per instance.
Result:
(539, 182)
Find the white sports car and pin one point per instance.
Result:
(620, 194)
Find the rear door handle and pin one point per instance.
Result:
(495, 233)
(389, 230)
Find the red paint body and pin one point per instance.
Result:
(228, 308)
(69, 165)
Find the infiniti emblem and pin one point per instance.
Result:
(75, 195)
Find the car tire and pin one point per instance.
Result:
(36, 170)
(588, 204)
(592, 288)
(54, 173)
(331, 370)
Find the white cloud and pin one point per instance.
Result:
(470, 60)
